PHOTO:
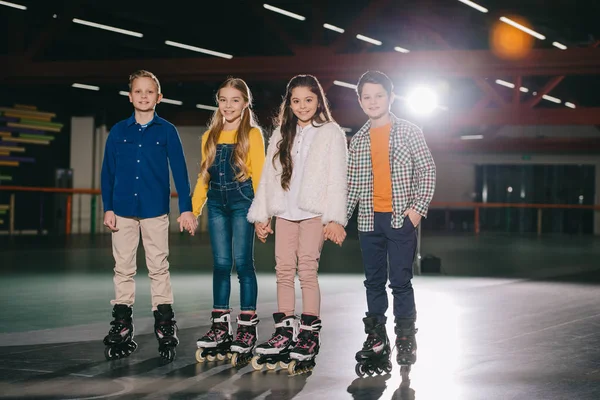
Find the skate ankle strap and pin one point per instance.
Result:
(286, 323)
(222, 318)
(252, 322)
(315, 327)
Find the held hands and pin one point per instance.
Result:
(110, 221)
(415, 217)
(188, 221)
(263, 229)
(334, 232)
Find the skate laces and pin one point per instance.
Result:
(167, 327)
(306, 339)
(371, 341)
(117, 326)
(244, 336)
(279, 336)
(215, 332)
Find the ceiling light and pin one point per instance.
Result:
(401, 49)
(559, 45)
(552, 99)
(523, 28)
(474, 5)
(107, 27)
(198, 49)
(345, 84)
(13, 5)
(284, 12)
(204, 107)
(333, 28)
(171, 101)
(368, 39)
(87, 87)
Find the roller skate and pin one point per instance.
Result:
(245, 340)
(119, 341)
(217, 341)
(306, 349)
(165, 330)
(406, 344)
(277, 349)
(374, 358)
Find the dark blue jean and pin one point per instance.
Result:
(232, 241)
(389, 252)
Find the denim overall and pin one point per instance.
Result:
(231, 235)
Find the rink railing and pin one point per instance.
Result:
(10, 209)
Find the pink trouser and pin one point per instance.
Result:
(298, 246)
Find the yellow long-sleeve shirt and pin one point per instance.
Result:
(254, 163)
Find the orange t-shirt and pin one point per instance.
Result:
(382, 177)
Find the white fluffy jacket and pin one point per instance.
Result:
(324, 188)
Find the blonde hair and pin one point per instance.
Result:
(247, 122)
(143, 74)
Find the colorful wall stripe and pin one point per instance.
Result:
(22, 126)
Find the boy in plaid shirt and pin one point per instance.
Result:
(391, 175)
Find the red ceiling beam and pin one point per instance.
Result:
(442, 121)
(520, 145)
(318, 61)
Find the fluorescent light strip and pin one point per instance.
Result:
(210, 108)
(570, 105)
(171, 101)
(504, 83)
(333, 28)
(511, 85)
(13, 5)
(198, 49)
(284, 12)
(87, 87)
(471, 137)
(523, 28)
(345, 84)
(474, 5)
(401, 49)
(107, 28)
(368, 39)
(123, 93)
(559, 45)
(552, 99)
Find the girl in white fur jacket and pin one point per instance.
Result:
(303, 185)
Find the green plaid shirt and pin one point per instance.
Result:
(412, 171)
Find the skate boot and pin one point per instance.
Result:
(374, 358)
(406, 344)
(306, 349)
(277, 349)
(216, 342)
(165, 330)
(119, 341)
(245, 340)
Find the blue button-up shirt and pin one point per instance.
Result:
(135, 170)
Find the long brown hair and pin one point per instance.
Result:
(247, 122)
(287, 122)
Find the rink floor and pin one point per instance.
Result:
(512, 318)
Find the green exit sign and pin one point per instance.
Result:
(526, 157)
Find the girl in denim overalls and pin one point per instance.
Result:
(233, 154)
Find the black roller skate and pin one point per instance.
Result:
(306, 349)
(277, 349)
(406, 344)
(245, 340)
(165, 330)
(374, 358)
(217, 341)
(119, 341)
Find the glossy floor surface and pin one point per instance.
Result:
(510, 318)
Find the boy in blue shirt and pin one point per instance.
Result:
(136, 195)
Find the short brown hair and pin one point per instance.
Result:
(143, 74)
(375, 77)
